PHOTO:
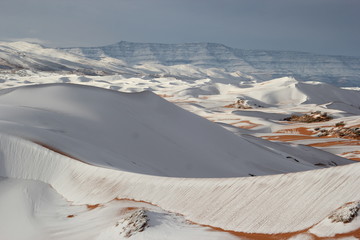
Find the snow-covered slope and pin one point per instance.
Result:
(73, 157)
(23, 55)
(137, 132)
(263, 65)
(265, 204)
(33, 210)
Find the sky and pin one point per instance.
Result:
(318, 26)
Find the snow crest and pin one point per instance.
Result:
(267, 204)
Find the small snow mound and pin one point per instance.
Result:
(280, 91)
(346, 213)
(343, 220)
(133, 222)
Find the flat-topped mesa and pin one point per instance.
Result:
(262, 64)
(135, 58)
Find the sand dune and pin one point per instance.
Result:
(73, 120)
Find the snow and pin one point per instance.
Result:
(342, 220)
(183, 61)
(267, 204)
(302, 236)
(34, 57)
(129, 143)
(168, 226)
(289, 91)
(32, 210)
(16, 209)
(259, 64)
(137, 132)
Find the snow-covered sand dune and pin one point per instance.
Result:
(264, 204)
(71, 154)
(289, 91)
(33, 210)
(138, 146)
(136, 132)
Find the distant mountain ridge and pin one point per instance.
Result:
(264, 65)
(188, 61)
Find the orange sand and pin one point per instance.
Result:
(165, 95)
(288, 138)
(260, 236)
(250, 126)
(281, 236)
(300, 130)
(241, 235)
(91, 207)
(354, 153)
(334, 143)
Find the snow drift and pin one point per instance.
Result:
(265, 204)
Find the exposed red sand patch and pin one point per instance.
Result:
(334, 143)
(293, 134)
(355, 233)
(133, 200)
(126, 210)
(303, 133)
(352, 153)
(232, 105)
(235, 123)
(55, 149)
(288, 138)
(241, 235)
(58, 151)
(249, 126)
(257, 236)
(130, 208)
(165, 95)
(204, 97)
(91, 207)
(300, 130)
(284, 236)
